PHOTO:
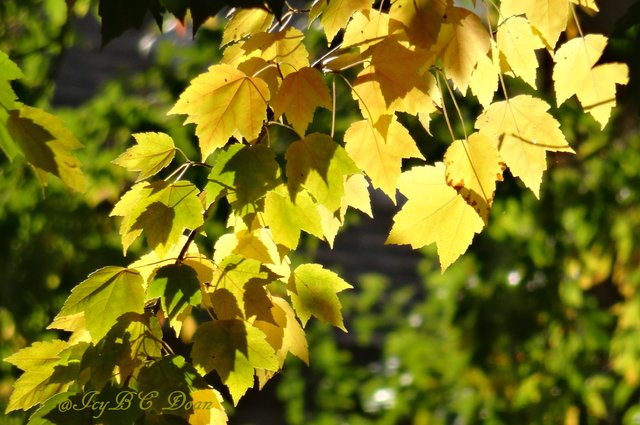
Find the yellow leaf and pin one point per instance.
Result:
(589, 4)
(259, 67)
(518, 43)
(285, 48)
(523, 131)
(548, 17)
(484, 80)
(595, 86)
(421, 19)
(337, 13)
(245, 22)
(207, 408)
(299, 95)
(473, 167)
(378, 150)
(223, 101)
(356, 195)
(466, 40)
(152, 153)
(366, 28)
(442, 216)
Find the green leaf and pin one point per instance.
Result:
(233, 348)
(286, 219)
(47, 144)
(153, 152)
(319, 165)
(48, 413)
(313, 291)
(177, 286)
(162, 210)
(8, 71)
(38, 354)
(104, 296)
(242, 173)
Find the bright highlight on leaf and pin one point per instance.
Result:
(443, 216)
(337, 13)
(518, 44)
(313, 292)
(224, 102)
(548, 17)
(523, 131)
(245, 22)
(299, 95)
(595, 86)
(153, 152)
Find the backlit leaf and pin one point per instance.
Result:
(313, 290)
(466, 40)
(518, 44)
(245, 22)
(207, 408)
(595, 86)
(38, 354)
(233, 348)
(484, 79)
(443, 216)
(589, 4)
(548, 17)
(221, 102)
(366, 28)
(472, 168)
(421, 19)
(153, 152)
(337, 13)
(177, 286)
(8, 71)
(47, 144)
(285, 48)
(378, 150)
(145, 205)
(300, 93)
(523, 131)
(104, 296)
(319, 165)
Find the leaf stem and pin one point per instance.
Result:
(333, 107)
(444, 111)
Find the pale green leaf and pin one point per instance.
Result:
(153, 152)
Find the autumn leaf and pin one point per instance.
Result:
(548, 17)
(47, 145)
(40, 353)
(153, 152)
(523, 131)
(443, 217)
(104, 296)
(299, 95)
(595, 86)
(233, 348)
(285, 48)
(313, 292)
(366, 28)
(214, 414)
(420, 19)
(245, 22)
(175, 205)
(378, 150)
(319, 165)
(472, 168)
(223, 102)
(589, 4)
(485, 77)
(518, 44)
(356, 194)
(337, 13)
(177, 287)
(465, 41)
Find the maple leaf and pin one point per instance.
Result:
(485, 77)
(245, 22)
(336, 14)
(548, 17)
(356, 194)
(153, 152)
(518, 43)
(443, 217)
(367, 28)
(589, 4)
(175, 205)
(465, 40)
(299, 95)
(523, 131)
(177, 286)
(286, 219)
(595, 86)
(285, 48)
(378, 150)
(313, 290)
(472, 168)
(233, 348)
(47, 144)
(319, 165)
(104, 296)
(215, 414)
(421, 19)
(221, 102)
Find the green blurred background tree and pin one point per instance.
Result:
(538, 323)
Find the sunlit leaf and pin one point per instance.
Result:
(313, 290)
(153, 152)
(177, 286)
(518, 44)
(285, 48)
(245, 22)
(221, 102)
(548, 17)
(207, 408)
(337, 13)
(443, 217)
(421, 19)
